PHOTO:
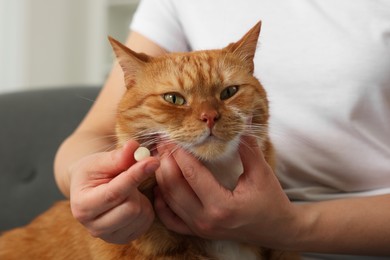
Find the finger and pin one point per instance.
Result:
(167, 216)
(251, 154)
(109, 195)
(175, 189)
(123, 158)
(119, 188)
(200, 179)
(103, 166)
(124, 222)
(256, 170)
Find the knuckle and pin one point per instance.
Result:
(99, 231)
(216, 218)
(189, 173)
(80, 214)
(112, 196)
(137, 210)
(219, 214)
(133, 209)
(204, 229)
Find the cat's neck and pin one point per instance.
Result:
(227, 171)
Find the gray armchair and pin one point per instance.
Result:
(32, 126)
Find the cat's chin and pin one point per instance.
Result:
(214, 149)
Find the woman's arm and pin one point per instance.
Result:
(96, 132)
(102, 183)
(190, 201)
(351, 226)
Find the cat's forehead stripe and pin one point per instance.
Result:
(197, 69)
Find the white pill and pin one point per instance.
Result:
(141, 153)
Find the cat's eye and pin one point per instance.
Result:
(174, 98)
(228, 92)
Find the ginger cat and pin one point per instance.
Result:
(204, 101)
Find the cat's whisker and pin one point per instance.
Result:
(85, 98)
(245, 143)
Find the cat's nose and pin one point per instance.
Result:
(209, 118)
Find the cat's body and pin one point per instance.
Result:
(203, 101)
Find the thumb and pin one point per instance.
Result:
(250, 153)
(116, 161)
(199, 177)
(121, 159)
(131, 178)
(100, 168)
(253, 161)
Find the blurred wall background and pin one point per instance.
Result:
(56, 43)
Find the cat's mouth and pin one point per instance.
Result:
(208, 138)
(210, 147)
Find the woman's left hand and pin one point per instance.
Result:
(190, 201)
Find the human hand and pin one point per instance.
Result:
(190, 201)
(104, 194)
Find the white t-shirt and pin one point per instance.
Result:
(326, 68)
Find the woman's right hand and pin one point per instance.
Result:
(104, 194)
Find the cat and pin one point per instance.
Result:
(203, 101)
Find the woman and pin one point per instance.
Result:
(326, 68)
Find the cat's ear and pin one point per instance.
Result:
(245, 48)
(130, 61)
